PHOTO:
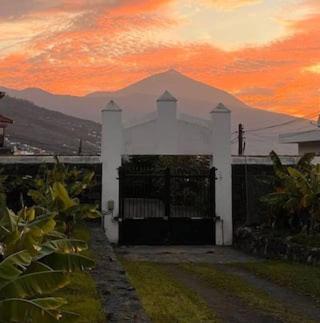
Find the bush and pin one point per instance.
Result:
(295, 204)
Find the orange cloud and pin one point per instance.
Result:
(232, 4)
(117, 45)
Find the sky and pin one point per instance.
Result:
(266, 52)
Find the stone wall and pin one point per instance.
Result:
(253, 241)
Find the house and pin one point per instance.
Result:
(308, 141)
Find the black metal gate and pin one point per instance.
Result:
(167, 207)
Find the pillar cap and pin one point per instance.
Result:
(111, 106)
(167, 97)
(220, 108)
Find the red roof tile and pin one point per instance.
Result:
(4, 119)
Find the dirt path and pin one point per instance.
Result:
(182, 254)
(300, 303)
(228, 309)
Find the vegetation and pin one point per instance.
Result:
(81, 294)
(302, 278)
(58, 190)
(295, 204)
(36, 256)
(164, 299)
(236, 287)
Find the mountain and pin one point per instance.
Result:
(195, 98)
(51, 131)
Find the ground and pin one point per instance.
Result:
(212, 284)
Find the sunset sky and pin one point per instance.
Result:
(266, 52)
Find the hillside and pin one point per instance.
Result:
(195, 98)
(49, 130)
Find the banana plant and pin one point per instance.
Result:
(23, 295)
(59, 191)
(33, 229)
(297, 195)
(36, 260)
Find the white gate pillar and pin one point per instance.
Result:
(221, 142)
(111, 151)
(167, 124)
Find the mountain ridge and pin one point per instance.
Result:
(195, 98)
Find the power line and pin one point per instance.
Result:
(283, 123)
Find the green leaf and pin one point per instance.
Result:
(68, 262)
(8, 222)
(14, 265)
(63, 246)
(46, 310)
(60, 192)
(38, 283)
(304, 164)
(50, 303)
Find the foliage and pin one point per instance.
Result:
(194, 164)
(3, 196)
(297, 196)
(35, 262)
(59, 189)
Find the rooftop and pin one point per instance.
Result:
(304, 136)
(167, 97)
(112, 106)
(4, 119)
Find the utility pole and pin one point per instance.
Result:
(240, 139)
(80, 147)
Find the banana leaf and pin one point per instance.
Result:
(30, 285)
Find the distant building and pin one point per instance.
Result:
(4, 122)
(308, 141)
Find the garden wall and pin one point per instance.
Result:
(255, 242)
(252, 178)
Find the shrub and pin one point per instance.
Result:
(296, 200)
(58, 191)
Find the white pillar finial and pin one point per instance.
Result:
(167, 124)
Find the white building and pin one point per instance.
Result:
(308, 141)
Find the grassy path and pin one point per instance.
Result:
(164, 299)
(192, 292)
(253, 295)
(301, 278)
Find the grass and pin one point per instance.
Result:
(163, 298)
(235, 286)
(302, 278)
(83, 299)
(81, 294)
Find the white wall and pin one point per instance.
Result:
(221, 148)
(167, 135)
(111, 152)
